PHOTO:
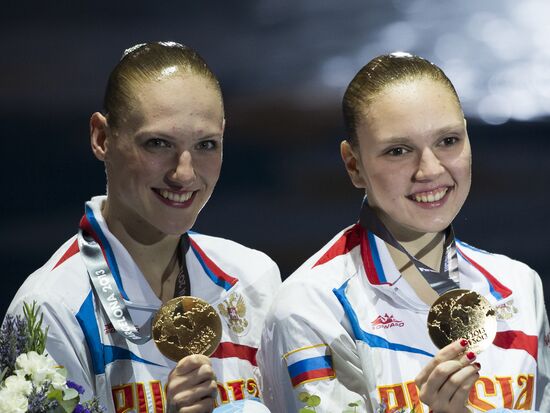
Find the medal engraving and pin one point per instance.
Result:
(185, 326)
(462, 314)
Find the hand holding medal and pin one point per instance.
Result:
(461, 323)
(457, 313)
(186, 325)
(188, 330)
(462, 314)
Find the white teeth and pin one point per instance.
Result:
(430, 197)
(176, 197)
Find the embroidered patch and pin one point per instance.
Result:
(309, 364)
(506, 311)
(233, 310)
(386, 321)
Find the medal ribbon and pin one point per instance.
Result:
(440, 281)
(106, 289)
(182, 286)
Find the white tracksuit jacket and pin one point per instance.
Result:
(129, 377)
(346, 331)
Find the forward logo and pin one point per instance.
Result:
(386, 321)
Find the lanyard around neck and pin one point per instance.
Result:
(441, 281)
(110, 297)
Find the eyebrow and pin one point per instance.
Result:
(441, 131)
(447, 129)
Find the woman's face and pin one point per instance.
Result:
(413, 157)
(164, 159)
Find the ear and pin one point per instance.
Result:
(98, 135)
(353, 164)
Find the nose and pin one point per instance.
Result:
(184, 172)
(429, 166)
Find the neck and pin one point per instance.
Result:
(427, 248)
(424, 246)
(153, 251)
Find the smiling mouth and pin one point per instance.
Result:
(429, 196)
(174, 196)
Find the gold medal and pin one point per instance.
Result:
(186, 325)
(462, 314)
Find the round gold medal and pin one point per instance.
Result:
(462, 314)
(186, 325)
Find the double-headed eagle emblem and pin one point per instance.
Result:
(233, 310)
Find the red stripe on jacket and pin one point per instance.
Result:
(348, 241)
(218, 272)
(497, 285)
(227, 349)
(72, 250)
(517, 340)
(313, 375)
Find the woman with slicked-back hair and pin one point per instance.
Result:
(348, 330)
(160, 137)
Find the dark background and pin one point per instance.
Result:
(283, 67)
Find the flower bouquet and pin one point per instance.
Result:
(30, 380)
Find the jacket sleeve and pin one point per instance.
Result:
(543, 358)
(298, 366)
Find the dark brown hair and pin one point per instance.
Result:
(378, 74)
(147, 62)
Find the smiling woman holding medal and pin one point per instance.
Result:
(348, 330)
(160, 137)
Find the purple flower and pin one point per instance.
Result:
(93, 406)
(80, 409)
(13, 342)
(39, 402)
(77, 387)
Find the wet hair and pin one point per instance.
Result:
(148, 62)
(380, 73)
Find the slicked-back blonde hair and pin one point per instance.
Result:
(381, 72)
(148, 62)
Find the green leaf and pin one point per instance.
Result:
(314, 401)
(3, 373)
(353, 404)
(55, 394)
(36, 337)
(303, 396)
(70, 394)
(304, 410)
(69, 405)
(65, 406)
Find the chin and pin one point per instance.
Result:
(177, 231)
(432, 227)
(178, 228)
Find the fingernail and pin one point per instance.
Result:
(470, 355)
(478, 365)
(464, 342)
